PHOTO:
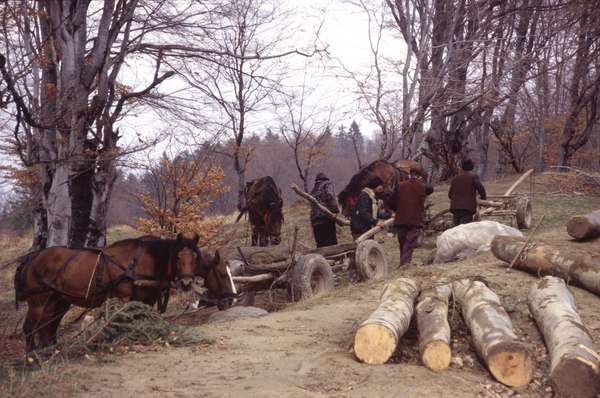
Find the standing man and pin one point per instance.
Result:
(462, 194)
(365, 214)
(323, 226)
(408, 202)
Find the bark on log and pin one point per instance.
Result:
(434, 330)
(585, 227)
(546, 260)
(377, 337)
(253, 279)
(340, 220)
(374, 230)
(509, 361)
(573, 370)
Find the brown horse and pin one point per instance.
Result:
(265, 208)
(216, 274)
(55, 278)
(390, 173)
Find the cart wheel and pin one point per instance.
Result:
(311, 276)
(246, 299)
(370, 260)
(524, 213)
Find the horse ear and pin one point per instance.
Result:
(196, 239)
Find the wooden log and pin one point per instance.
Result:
(434, 330)
(377, 338)
(370, 233)
(584, 227)
(573, 367)
(509, 360)
(340, 220)
(253, 279)
(514, 186)
(546, 260)
(489, 203)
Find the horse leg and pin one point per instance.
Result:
(35, 312)
(61, 307)
(255, 236)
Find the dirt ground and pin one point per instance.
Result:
(305, 349)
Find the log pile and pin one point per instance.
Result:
(509, 360)
(541, 259)
(584, 227)
(574, 364)
(377, 338)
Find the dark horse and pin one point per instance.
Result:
(55, 278)
(390, 173)
(264, 206)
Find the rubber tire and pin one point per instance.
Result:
(248, 297)
(370, 260)
(524, 213)
(311, 276)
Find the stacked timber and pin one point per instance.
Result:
(509, 360)
(574, 364)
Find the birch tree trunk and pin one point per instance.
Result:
(377, 338)
(573, 370)
(509, 360)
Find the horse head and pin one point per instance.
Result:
(186, 256)
(218, 280)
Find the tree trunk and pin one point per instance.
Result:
(377, 337)
(573, 370)
(509, 360)
(546, 260)
(40, 227)
(58, 207)
(585, 227)
(102, 187)
(434, 330)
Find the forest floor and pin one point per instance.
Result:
(305, 349)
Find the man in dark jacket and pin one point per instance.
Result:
(323, 226)
(408, 202)
(366, 213)
(462, 194)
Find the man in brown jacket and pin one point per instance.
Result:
(408, 202)
(462, 194)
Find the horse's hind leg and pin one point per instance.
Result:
(33, 320)
(55, 312)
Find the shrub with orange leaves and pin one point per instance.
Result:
(179, 192)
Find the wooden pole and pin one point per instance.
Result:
(377, 337)
(340, 220)
(374, 230)
(574, 364)
(529, 238)
(509, 360)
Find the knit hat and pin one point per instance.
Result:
(374, 182)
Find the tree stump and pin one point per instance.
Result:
(377, 337)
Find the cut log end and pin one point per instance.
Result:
(374, 344)
(574, 378)
(511, 364)
(436, 355)
(579, 227)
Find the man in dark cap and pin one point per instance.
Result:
(408, 203)
(462, 194)
(323, 226)
(366, 213)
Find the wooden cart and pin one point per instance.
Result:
(302, 271)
